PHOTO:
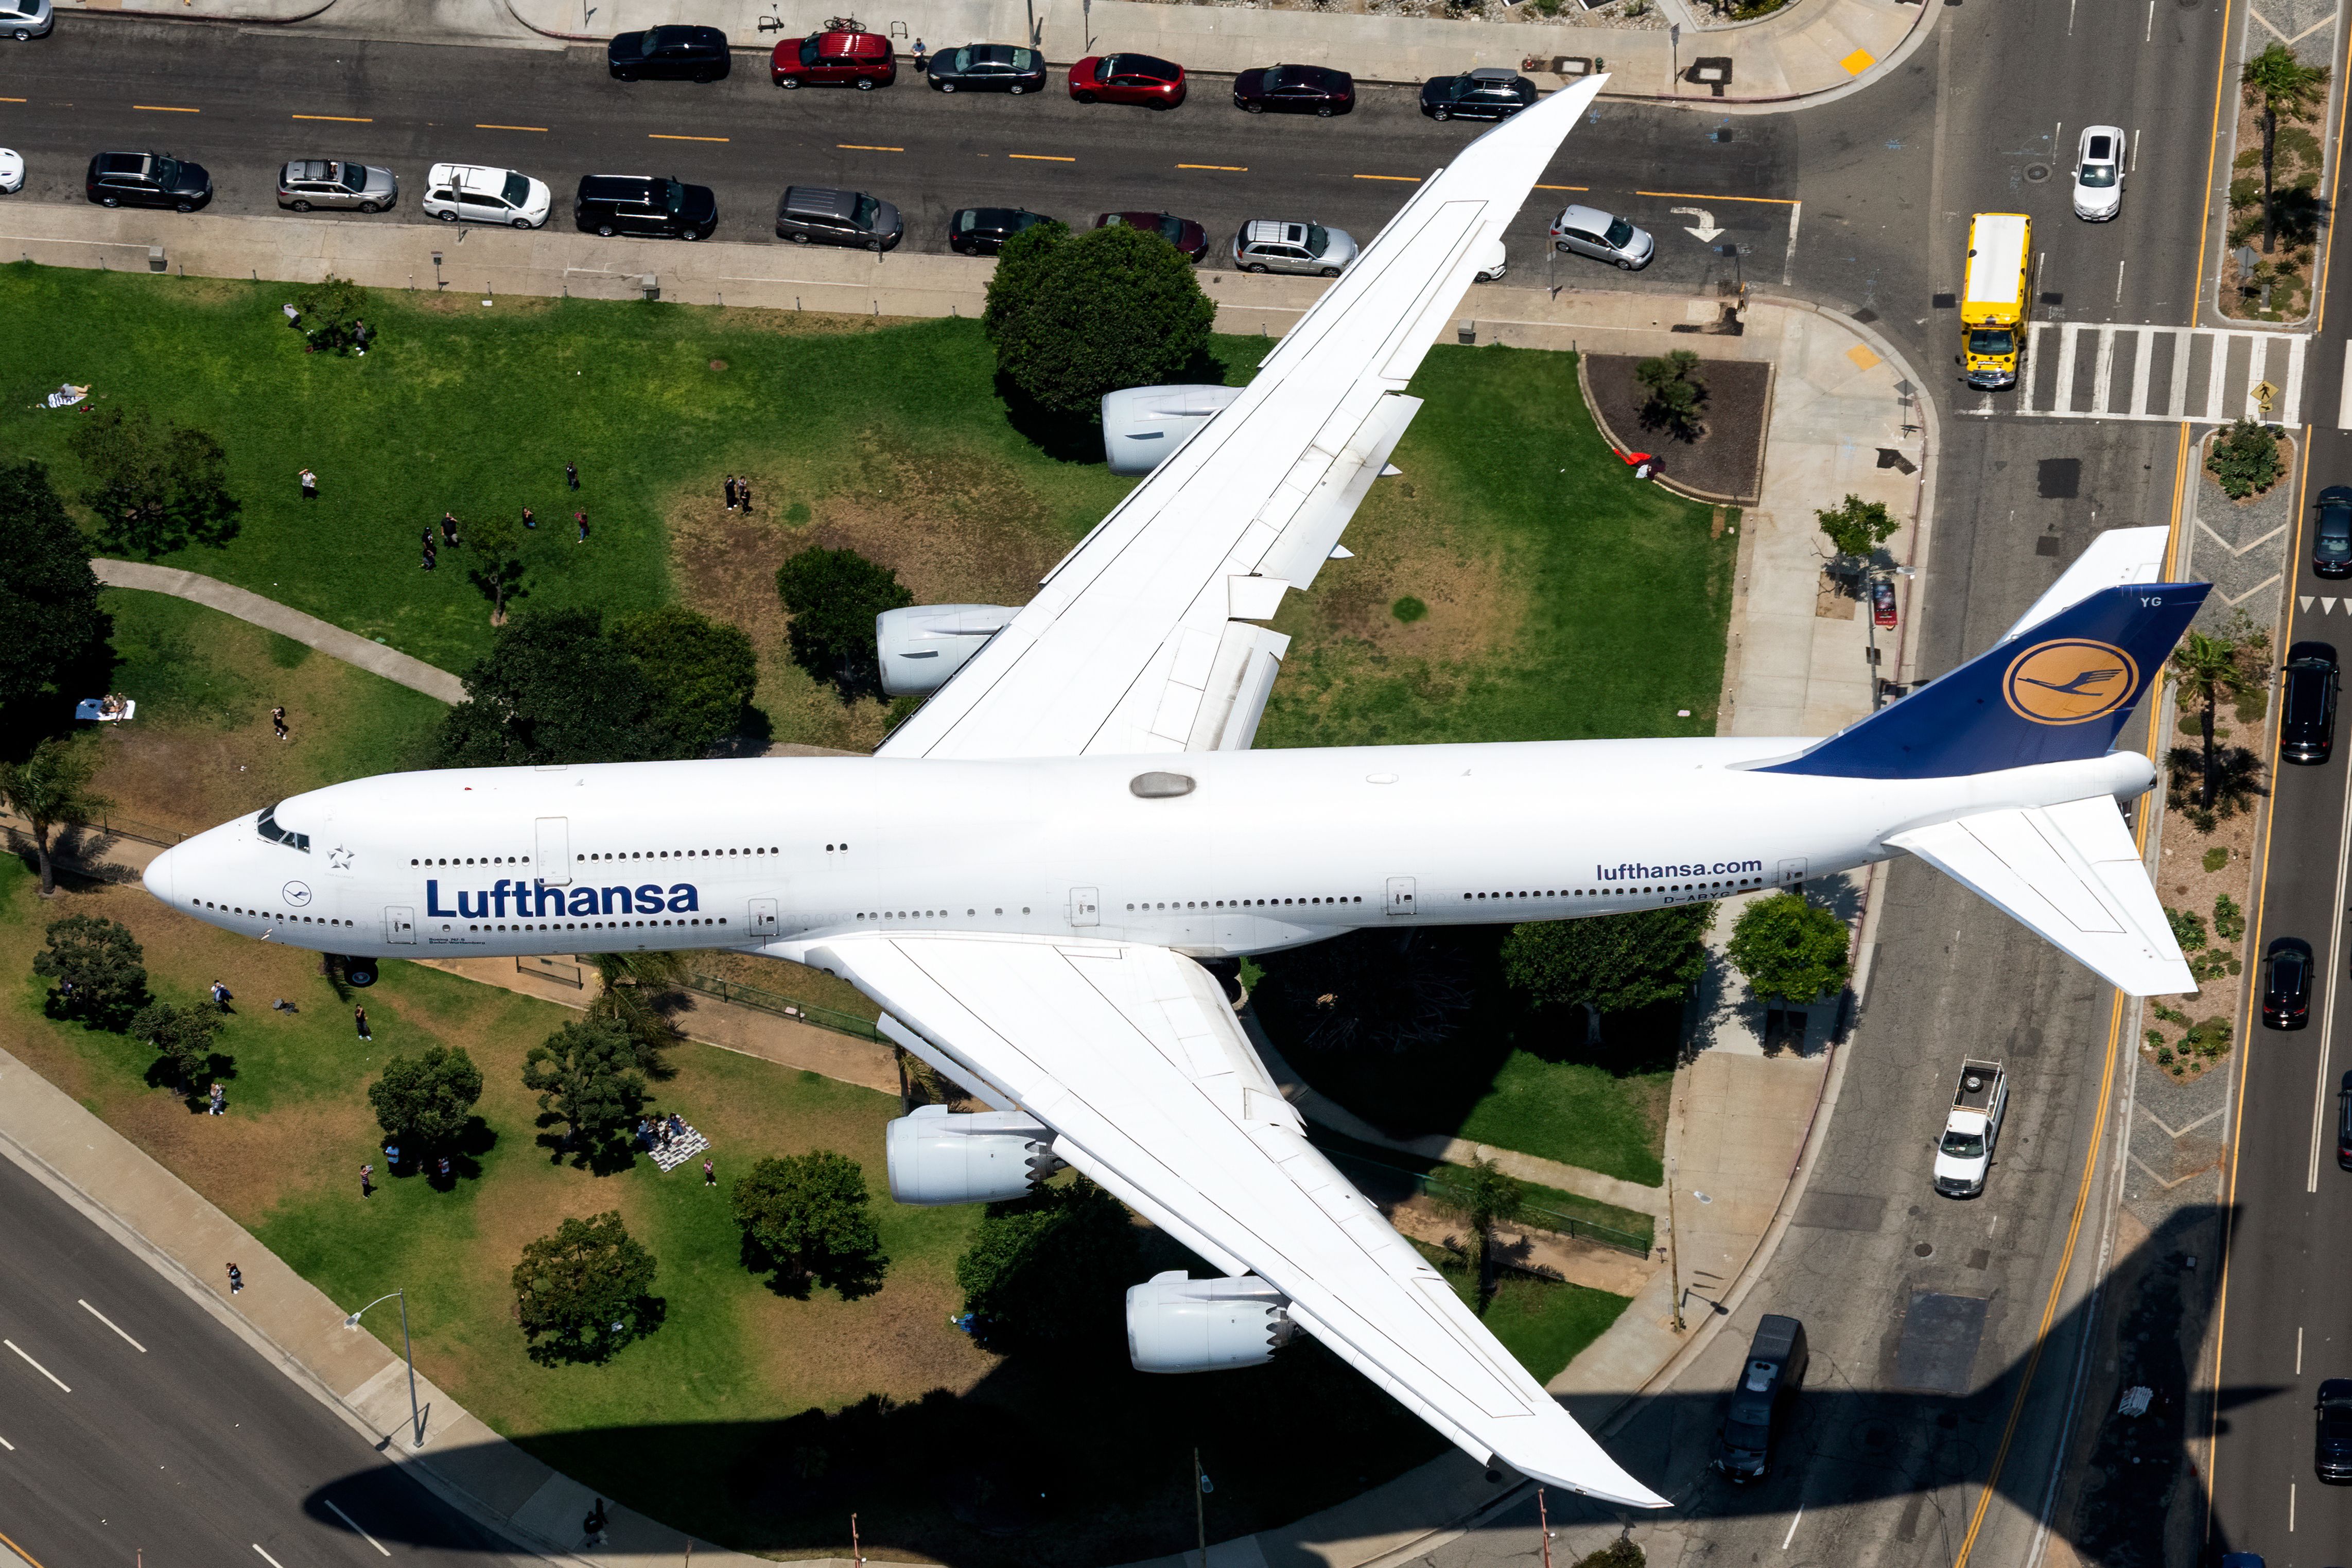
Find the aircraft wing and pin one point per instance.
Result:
(1145, 638)
(1131, 1055)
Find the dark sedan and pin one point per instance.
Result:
(2332, 1454)
(1295, 89)
(1180, 232)
(987, 67)
(2331, 541)
(2287, 984)
(147, 180)
(1489, 92)
(670, 54)
(982, 231)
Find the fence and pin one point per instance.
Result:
(785, 1007)
(131, 828)
(1533, 1214)
(553, 969)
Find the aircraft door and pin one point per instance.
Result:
(555, 851)
(1792, 872)
(1085, 906)
(399, 923)
(1400, 896)
(763, 919)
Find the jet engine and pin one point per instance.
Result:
(1143, 423)
(1178, 1323)
(923, 644)
(938, 1156)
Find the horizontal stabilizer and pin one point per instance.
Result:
(2072, 875)
(2119, 558)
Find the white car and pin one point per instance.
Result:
(480, 194)
(1492, 262)
(2099, 173)
(22, 19)
(1589, 231)
(12, 171)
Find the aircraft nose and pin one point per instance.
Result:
(158, 876)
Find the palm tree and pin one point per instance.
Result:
(49, 789)
(631, 983)
(2285, 88)
(1484, 1195)
(2208, 669)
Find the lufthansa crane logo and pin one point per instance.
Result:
(2071, 681)
(297, 893)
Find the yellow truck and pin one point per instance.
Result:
(1992, 307)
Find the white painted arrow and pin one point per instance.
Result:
(2327, 606)
(1705, 231)
(2307, 603)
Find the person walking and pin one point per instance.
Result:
(426, 561)
(367, 1181)
(235, 1280)
(922, 57)
(220, 995)
(359, 1017)
(445, 1167)
(277, 723)
(710, 1175)
(730, 492)
(219, 1100)
(392, 1159)
(581, 519)
(529, 521)
(743, 494)
(572, 475)
(310, 485)
(449, 529)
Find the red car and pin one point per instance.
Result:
(1882, 602)
(862, 60)
(1146, 79)
(1180, 232)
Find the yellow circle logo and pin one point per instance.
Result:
(2069, 681)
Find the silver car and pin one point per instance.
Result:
(22, 19)
(1270, 245)
(307, 183)
(1589, 231)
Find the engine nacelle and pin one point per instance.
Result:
(1143, 423)
(925, 644)
(940, 1156)
(1178, 1323)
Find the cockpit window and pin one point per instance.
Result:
(269, 828)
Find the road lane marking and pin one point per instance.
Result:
(1220, 168)
(266, 1558)
(11, 101)
(1793, 1528)
(20, 1551)
(1563, 187)
(36, 1366)
(861, 147)
(111, 1323)
(1401, 179)
(1706, 197)
(541, 128)
(2290, 1508)
(7, 1444)
(1041, 157)
(2298, 1350)
(355, 1523)
(340, 119)
(165, 109)
(658, 136)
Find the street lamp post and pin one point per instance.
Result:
(415, 1416)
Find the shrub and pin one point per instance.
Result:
(2245, 459)
(1078, 316)
(1050, 1270)
(807, 1215)
(1676, 389)
(702, 671)
(2217, 857)
(834, 596)
(1856, 528)
(426, 1100)
(2188, 929)
(586, 1291)
(99, 970)
(2229, 919)
(1614, 962)
(183, 1038)
(1789, 948)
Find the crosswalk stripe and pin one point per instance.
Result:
(2124, 385)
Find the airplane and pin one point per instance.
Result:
(1025, 875)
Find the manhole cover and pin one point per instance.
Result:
(2037, 173)
(1924, 1250)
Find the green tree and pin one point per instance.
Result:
(586, 1291)
(703, 671)
(495, 567)
(834, 596)
(1677, 390)
(2234, 777)
(156, 486)
(1789, 948)
(1612, 963)
(1014, 284)
(1049, 1270)
(585, 1075)
(806, 1216)
(183, 1038)
(1484, 1195)
(2208, 671)
(2245, 459)
(426, 1100)
(48, 790)
(1623, 1552)
(553, 689)
(99, 970)
(56, 650)
(1856, 528)
(1107, 309)
(630, 988)
(2283, 88)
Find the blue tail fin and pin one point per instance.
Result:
(2055, 693)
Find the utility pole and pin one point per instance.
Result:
(1674, 1252)
(1200, 1506)
(415, 1416)
(1543, 1526)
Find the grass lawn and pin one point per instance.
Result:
(1369, 1165)
(1543, 1321)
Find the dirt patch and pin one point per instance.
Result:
(1727, 460)
(1470, 604)
(2184, 883)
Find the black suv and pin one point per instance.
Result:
(1489, 92)
(2331, 542)
(2287, 984)
(1769, 1382)
(982, 231)
(816, 214)
(147, 180)
(644, 204)
(671, 53)
(2333, 1455)
(2308, 709)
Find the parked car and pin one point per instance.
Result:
(477, 193)
(1180, 232)
(22, 19)
(2332, 1454)
(1492, 262)
(307, 183)
(1490, 92)
(1270, 245)
(2344, 1123)
(2287, 984)
(651, 204)
(12, 170)
(835, 58)
(669, 53)
(1295, 89)
(1769, 1382)
(987, 67)
(147, 180)
(1589, 231)
(816, 214)
(1882, 602)
(2331, 542)
(2099, 173)
(2308, 706)
(982, 231)
(1146, 79)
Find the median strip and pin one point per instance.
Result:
(659, 136)
(339, 119)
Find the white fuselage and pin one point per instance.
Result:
(1269, 850)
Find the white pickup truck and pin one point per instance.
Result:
(1971, 1128)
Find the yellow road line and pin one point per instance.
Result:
(1041, 157)
(2099, 1126)
(658, 136)
(339, 119)
(2213, 142)
(2335, 181)
(11, 101)
(1703, 196)
(1220, 168)
(165, 109)
(1401, 179)
(21, 1551)
(541, 128)
(1563, 187)
(861, 147)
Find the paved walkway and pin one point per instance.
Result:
(247, 606)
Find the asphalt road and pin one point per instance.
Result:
(130, 1423)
